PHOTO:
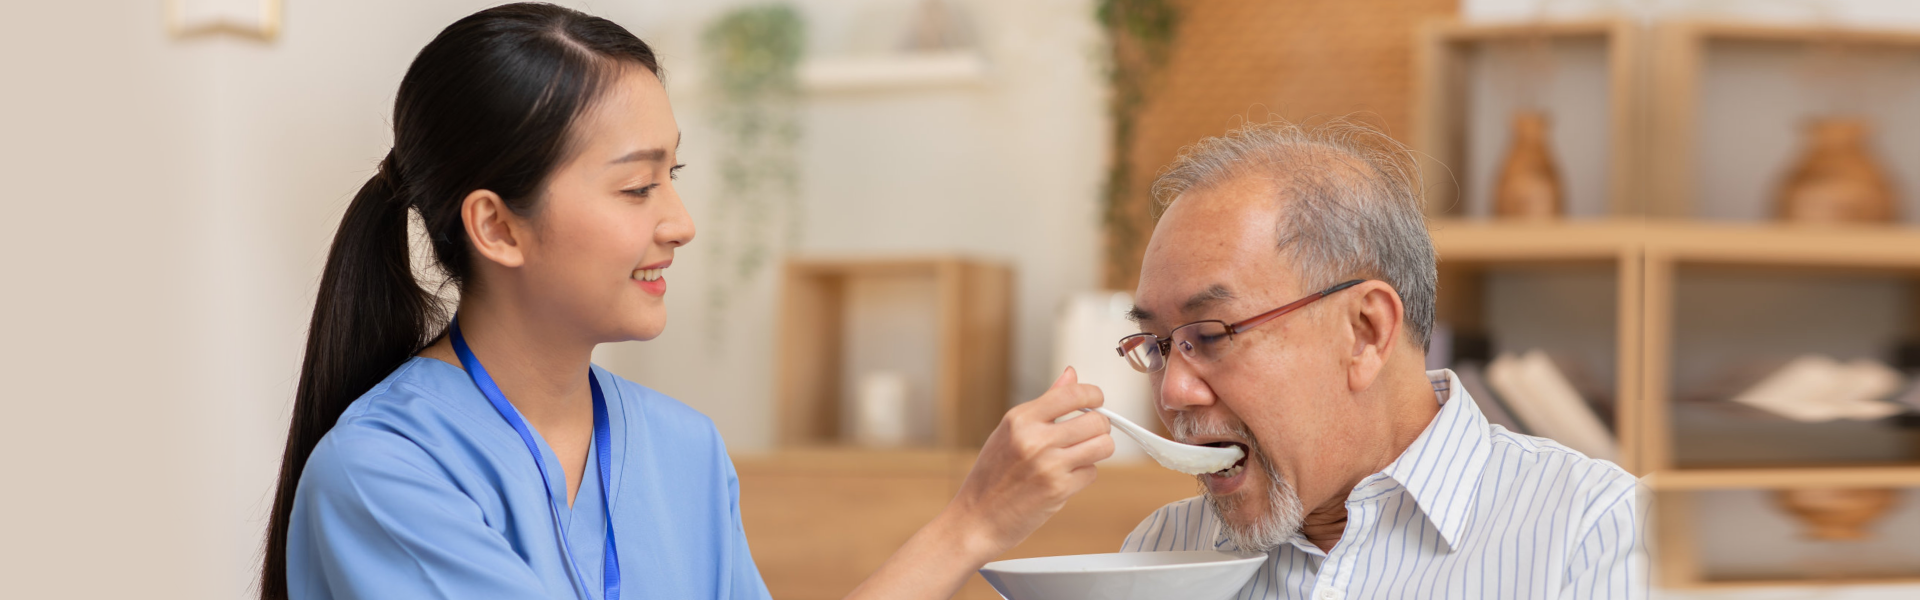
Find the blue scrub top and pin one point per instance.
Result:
(421, 490)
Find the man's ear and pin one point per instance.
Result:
(1376, 318)
(495, 231)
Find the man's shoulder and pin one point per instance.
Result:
(1541, 456)
(1584, 484)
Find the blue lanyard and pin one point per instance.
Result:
(601, 434)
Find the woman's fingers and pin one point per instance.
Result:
(1081, 428)
(1066, 396)
(1083, 454)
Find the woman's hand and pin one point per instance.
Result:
(1030, 465)
(1028, 468)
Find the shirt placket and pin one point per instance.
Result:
(1335, 579)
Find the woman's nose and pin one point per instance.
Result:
(677, 228)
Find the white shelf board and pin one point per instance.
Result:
(956, 68)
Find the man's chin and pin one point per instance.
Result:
(1253, 522)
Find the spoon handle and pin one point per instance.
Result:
(1138, 433)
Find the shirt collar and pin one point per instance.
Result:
(1442, 468)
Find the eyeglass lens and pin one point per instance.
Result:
(1198, 342)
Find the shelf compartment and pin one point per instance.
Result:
(1746, 541)
(1461, 118)
(1723, 163)
(1483, 264)
(971, 313)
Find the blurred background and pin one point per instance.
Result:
(1676, 233)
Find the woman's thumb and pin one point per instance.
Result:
(1066, 378)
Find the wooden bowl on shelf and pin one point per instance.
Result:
(1836, 514)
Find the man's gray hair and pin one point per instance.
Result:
(1352, 199)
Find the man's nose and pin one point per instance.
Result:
(1181, 387)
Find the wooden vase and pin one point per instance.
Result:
(1529, 184)
(1837, 181)
(1836, 514)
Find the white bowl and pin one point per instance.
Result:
(1189, 575)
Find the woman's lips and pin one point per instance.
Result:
(651, 279)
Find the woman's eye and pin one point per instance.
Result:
(642, 191)
(674, 173)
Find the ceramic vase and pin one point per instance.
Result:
(1837, 180)
(1529, 184)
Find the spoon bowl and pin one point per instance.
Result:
(1185, 458)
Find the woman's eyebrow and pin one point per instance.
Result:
(649, 154)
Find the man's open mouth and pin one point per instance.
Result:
(1239, 465)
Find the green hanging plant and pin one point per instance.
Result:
(753, 53)
(1140, 37)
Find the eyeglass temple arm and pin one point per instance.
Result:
(1290, 307)
(1341, 286)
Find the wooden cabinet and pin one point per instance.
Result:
(820, 521)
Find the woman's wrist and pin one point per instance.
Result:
(966, 534)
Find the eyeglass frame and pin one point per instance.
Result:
(1165, 344)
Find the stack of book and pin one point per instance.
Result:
(1526, 393)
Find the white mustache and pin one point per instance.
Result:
(1186, 427)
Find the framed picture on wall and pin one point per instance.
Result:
(253, 19)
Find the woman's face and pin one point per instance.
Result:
(606, 229)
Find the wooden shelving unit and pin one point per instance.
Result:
(1784, 250)
(1676, 160)
(1648, 256)
(973, 310)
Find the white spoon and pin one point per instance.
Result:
(1185, 458)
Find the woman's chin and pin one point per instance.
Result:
(642, 327)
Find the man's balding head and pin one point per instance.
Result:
(1349, 199)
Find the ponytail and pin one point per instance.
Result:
(537, 67)
(371, 317)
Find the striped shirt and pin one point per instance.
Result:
(1470, 510)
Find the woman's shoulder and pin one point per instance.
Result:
(420, 392)
(416, 407)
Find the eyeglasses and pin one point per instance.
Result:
(1205, 341)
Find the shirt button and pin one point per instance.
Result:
(1329, 594)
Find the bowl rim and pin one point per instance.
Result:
(1244, 556)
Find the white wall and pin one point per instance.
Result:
(171, 203)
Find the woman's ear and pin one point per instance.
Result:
(496, 232)
(1377, 323)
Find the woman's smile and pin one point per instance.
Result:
(652, 279)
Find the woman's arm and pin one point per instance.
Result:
(1026, 471)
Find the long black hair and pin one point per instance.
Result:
(487, 105)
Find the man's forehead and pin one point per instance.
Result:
(1212, 246)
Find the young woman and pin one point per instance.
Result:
(479, 454)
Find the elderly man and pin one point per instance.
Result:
(1286, 300)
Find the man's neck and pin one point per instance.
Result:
(1411, 407)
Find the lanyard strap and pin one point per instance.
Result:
(602, 433)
